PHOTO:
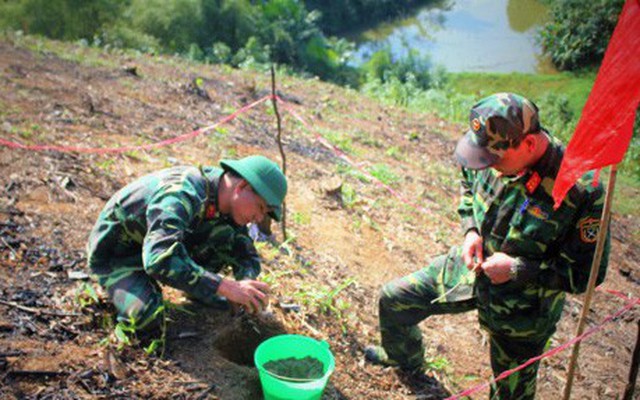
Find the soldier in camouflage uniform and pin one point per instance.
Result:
(180, 226)
(519, 255)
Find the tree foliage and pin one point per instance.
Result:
(579, 32)
(238, 32)
(59, 19)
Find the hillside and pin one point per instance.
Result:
(346, 242)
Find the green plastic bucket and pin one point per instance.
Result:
(286, 346)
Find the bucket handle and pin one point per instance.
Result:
(289, 379)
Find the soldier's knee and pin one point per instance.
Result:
(387, 296)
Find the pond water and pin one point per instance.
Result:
(464, 35)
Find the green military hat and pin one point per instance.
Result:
(265, 177)
(497, 122)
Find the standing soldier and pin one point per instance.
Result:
(180, 226)
(525, 254)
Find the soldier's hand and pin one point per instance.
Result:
(472, 250)
(498, 267)
(250, 294)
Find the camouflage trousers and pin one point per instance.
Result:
(136, 296)
(407, 301)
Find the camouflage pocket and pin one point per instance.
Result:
(511, 310)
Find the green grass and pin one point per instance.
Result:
(575, 87)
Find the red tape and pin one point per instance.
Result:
(177, 139)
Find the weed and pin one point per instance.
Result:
(134, 155)
(86, 295)
(413, 136)
(437, 363)
(229, 153)
(301, 218)
(106, 164)
(384, 174)
(340, 140)
(348, 196)
(267, 251)
(123, 332)
(395, 152)
(324, 299)
(364, 138)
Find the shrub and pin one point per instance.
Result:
(578, 35)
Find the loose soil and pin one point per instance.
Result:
(349, 235)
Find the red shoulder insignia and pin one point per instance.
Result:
(533, 182)
(210, 213)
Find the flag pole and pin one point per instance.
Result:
(595, 267)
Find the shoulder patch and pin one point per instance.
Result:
(589, 228)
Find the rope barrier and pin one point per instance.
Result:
(123, 149)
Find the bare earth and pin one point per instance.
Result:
(346, 243)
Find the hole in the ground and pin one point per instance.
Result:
(238, 341)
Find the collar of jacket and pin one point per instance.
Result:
(212, 177)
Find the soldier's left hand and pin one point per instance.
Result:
(498, 267)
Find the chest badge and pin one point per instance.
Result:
(538, 212)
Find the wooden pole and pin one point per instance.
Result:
(595, 267)
(279, 141)
(633, 371)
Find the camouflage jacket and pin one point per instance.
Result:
(553, 248)
(170, 219)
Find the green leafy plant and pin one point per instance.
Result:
(348, 196)
(437, 363)
(324, 299)
(86, 295)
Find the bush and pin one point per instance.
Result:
(122, 37)
(59, 19)
(415, 70)
(556, 115)
(578, 35)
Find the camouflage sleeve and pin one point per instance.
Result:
(165, 257)
(465, 209)
(569, 270)
(247, 265)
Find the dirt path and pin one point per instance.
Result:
(356, 238)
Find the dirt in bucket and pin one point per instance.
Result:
(307, 368)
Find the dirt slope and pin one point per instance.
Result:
(346, 244)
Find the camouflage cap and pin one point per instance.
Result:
(497, 122)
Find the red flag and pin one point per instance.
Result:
(606, 125)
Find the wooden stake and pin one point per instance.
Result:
(595, 267)
(279, 141)
(633, 371)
